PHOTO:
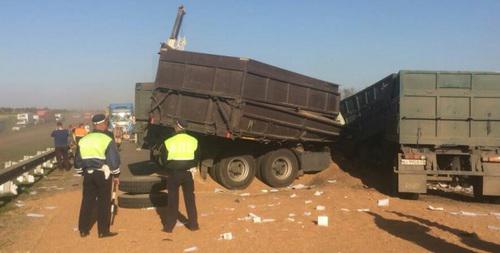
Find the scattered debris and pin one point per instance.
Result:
(273, 190)
(307, 213)
(149, 208)
(383, 202)
(271, 205)
(308, 202)
(495, 228)
(320, 208)
(50, 207)
(345, 209)
(245, 194)
(299, 186)
(323, 221)
(33, 193)
(251, 206)
(290, 219)
(226, 236)
(495, 214)
(59, 188)
(464, 213)
(332, 181)
(229, 209)
(291, 215)
(264, 190)
(293, 195)
(435, 208)
(318, 193)
(268, 220)
(218, 190)
(191, 249)
(363, 210)
(35, 215)
(179, 224)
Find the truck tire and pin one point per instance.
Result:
(142, 184)
(236, 171)
(154, 199)
(279, 168)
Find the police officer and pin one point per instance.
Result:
(97, 160)
(178, 156)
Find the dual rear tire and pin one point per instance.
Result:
(277, 168)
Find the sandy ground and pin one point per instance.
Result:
(403, 226)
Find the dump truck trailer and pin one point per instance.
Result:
(430, 126)
(250, 118)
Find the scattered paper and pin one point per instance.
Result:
(308, 201)
(226, 236)
(245, 194)
(495, 214)
(35, 215)
(50, 207)
(290, 219)
(495, 228)
(19, 204)
(320, 208)
(363, 210)
(251, 206)
(229, 209)
(323, 221)
(383, 202)
(268, 220)
(179, 224)
(291, 215)
(264, 190)
(218, 190)
(273, 190)
(298, 186)
(332, 181)
(307, 213)
(318, 193)
(435, 208)
(293, 195)
(345, 209)
(33, 193)
(191, 249)
(149, 208)
(464, 213)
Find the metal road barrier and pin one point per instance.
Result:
(19, 171)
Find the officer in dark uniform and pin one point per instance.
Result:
(178, 156)
(97, 160)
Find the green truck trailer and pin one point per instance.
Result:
(430, 126)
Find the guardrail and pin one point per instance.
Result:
(20, 171)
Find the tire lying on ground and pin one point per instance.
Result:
(142, 184)
(153, 199)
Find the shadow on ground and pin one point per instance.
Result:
(417, 232)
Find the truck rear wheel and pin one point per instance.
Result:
(235, 172)
(279, 168)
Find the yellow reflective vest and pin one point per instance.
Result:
(181, 147)
(94, 145)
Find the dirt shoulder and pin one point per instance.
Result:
(403, 226)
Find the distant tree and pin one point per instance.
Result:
(347, 92)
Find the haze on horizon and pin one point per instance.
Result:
(87, 54)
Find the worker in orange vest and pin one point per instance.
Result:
(79, 132)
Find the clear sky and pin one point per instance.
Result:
(86, 54)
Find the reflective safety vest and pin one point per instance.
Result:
(80, 132)
(181, 147)
(94, 145)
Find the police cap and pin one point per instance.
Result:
(98, 119)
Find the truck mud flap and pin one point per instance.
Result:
(411, 178)
(491, 179)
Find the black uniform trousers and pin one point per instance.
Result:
(96, 189)
(176, 179)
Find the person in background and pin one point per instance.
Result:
(79, 132)
(61, 145)
(98, 161)
(179, 154)
(118, 136)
